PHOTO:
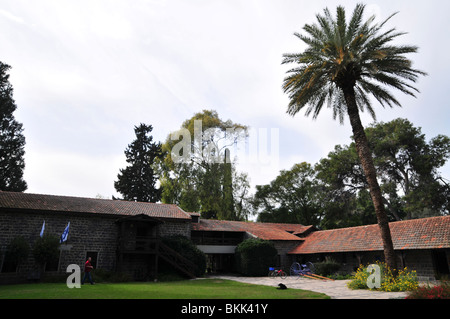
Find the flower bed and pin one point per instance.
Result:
(406, 280)
(441, 291)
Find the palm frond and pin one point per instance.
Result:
(382, 95)
(355, 23)
(357, 54)
(341, 25)
(364, 103)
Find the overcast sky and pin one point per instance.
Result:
(86, 72)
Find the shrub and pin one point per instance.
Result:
(189, 250)
(441, 291)
(255, 256)
(17, 252)
(359, 280)
(406, 280)
(45, 249)
(327, 267)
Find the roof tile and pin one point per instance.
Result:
(26, 201)
(425, 233)
(267, 231)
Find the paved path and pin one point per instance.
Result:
(335, 289)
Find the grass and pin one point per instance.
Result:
(186, 289)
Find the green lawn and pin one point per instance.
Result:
(186, 289)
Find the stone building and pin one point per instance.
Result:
(126, 237)
(420, 244)
(219, 238)
(117, 235)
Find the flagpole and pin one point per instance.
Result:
(63, 240)
(59, 262)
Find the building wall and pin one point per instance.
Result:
(419, 260)
(422, 261)
(87, 233)
(283, 247)
(99, 233)
(174, 227)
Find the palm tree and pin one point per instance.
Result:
(343, 64)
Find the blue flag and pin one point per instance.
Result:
(42, 230)
(65, 234)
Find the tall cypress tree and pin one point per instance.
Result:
(228, 211)
(12, 141)
(137, 182)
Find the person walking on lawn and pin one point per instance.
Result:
(87, 271)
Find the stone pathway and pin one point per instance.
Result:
(335, 289)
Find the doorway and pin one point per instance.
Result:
(94, 258)
(440, 262)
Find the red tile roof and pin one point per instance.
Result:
(266, 231)
(25, 201)
(426, 233)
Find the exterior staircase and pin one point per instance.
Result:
(175, 259)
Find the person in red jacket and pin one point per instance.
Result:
(87, 271)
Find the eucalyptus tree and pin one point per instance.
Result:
(198, 173)
(345, 63)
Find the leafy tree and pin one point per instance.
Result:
(293, 197)
(341, 170)
(45, 250)
(201, 176)
(345, 200)
(407, 168)
(343, 64)
(12, 141)
(241, 195)
(338, 192)
(137, 182)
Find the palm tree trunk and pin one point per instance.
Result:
(365, 156)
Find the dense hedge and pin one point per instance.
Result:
(255, 256)
(327, 267)
(187, 249)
